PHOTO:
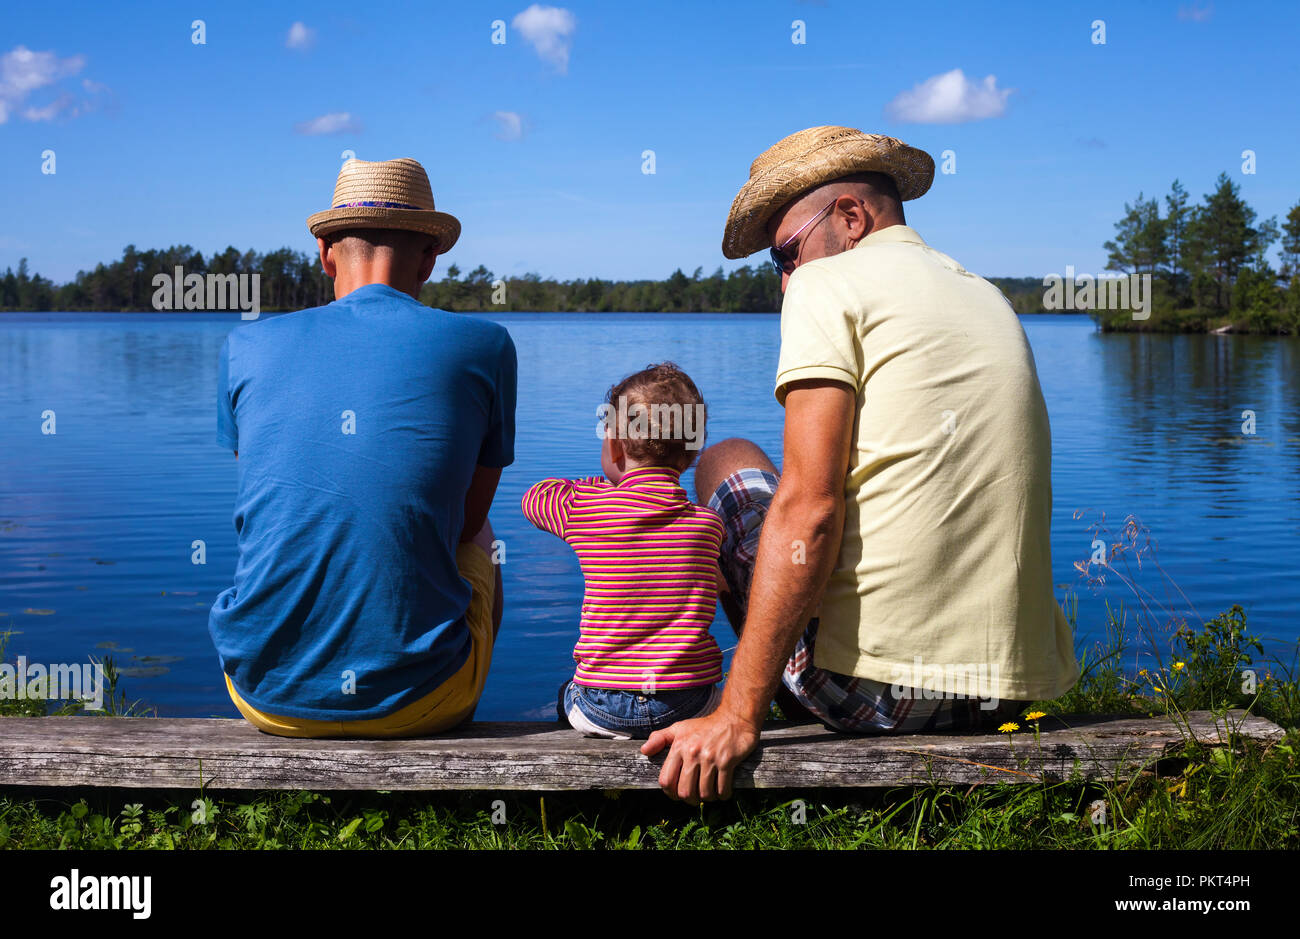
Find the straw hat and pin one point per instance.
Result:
(792, 166)
(388, 194)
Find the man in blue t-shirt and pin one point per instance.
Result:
(370, 435)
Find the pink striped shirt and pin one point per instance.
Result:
(649, 556)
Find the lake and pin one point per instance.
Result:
(97, 520)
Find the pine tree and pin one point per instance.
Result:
(1140, 246)
(1176, 219)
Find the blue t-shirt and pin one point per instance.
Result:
(358, 426)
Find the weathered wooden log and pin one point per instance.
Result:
(184, 753)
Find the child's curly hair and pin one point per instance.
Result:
(665, 393)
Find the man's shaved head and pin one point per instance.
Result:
(364, 243)
(358, 256)
(879, 185)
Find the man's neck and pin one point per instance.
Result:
(882, 222)
(361, 275)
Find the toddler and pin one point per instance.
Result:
(649, 557)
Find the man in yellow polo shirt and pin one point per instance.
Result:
(899, 578)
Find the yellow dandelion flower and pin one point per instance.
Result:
(1142, 672)
(1008, 728)
(1179, 666)
(1035, 715)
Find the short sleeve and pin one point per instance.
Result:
(227, 431)
(546, 504)
(498, 448)
(819, 332)
(719, 527)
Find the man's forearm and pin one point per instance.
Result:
(796, 554)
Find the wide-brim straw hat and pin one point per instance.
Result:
(392, 194)
(806, 159)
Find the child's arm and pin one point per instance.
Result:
(546, 504)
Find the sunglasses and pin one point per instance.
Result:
(782, 262)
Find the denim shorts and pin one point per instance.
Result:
(628, 714)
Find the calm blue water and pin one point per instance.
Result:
(97, 520)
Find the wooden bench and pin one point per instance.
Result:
(231, 754)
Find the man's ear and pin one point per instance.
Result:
(327, 262)
(427, 259)
(857, 220)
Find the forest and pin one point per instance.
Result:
(293, 280)
(1208, 264)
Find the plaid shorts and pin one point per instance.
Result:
(841, 702)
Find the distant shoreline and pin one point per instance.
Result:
(285, 280)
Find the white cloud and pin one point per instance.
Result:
(63, 104)
(340, 122)
(549, 29)
(68, 106)
(1195, 13)
(950, 98)
(510, 126)
(23, 71)
(300, 36)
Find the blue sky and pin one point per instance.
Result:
(536, 144)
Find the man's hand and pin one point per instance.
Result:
(704, 755)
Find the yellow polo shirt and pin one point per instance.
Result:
(945, 570)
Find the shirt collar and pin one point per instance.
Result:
(367, 291)
(643, 476)
(893, 233)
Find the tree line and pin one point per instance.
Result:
(754, 289)
(1208, 264)
(290, 280)
(293, 280)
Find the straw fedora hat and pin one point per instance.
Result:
(806, 159)
(387, 194)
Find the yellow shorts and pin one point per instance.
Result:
(443, 708)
